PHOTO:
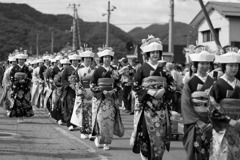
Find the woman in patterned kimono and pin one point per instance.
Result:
(194, 102)
(225, 110)
(6, 100)
(48, 78)
(37, 86)
(21, 79)
(56, 112)
(68, 95)
(82, 112)
(152, 113)
(103, 85)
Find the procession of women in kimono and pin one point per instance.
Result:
(85, 96)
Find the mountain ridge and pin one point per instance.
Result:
(20, 24)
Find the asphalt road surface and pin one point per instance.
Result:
(41, 138)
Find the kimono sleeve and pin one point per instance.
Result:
(188, 113)
(94, 82)
(94, 78)
(29, 76)
(141, 93)
(64, 78)
(41, 71)
(13, 80)
(215, 93)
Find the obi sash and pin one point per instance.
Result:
(200, 101)
(154, 82)
(106, 83)
(231, 107)
(20, 75)
(86, 83)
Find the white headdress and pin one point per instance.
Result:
(105, 51)
(151, 44)
(202, 54)
(232, 56)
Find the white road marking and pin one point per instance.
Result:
(89, 148)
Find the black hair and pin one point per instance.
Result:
(72, 60)
(195, 64)
(223, 67)
(147, 55)
(23, 59)
(86, 57)
(211, 66)
(178, 68)
(190, 68)
(101, 59)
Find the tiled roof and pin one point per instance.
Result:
(226, 9)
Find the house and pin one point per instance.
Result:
(225, 17)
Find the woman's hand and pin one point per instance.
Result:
(233, 122)
(72, 86)
(22, 81)
(109, 93)
(151, 92)
(159, 93)
(112, 92)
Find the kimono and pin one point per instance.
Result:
(82, 112)
(21, 92)
(37, 88)
(56, 110)
(48, 88)
(42, 70)
(197, 131)
(226, 138)
(103, 108)
(6, 100)
(152, 116)
(68, 95)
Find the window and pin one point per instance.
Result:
(235, 44)
(207, 36)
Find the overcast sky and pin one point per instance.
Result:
(128, 13)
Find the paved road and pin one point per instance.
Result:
(40, 138)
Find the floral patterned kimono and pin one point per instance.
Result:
(103, 108)
(197, 131)
(56, 111)
(37, 88)
(152, 116)
(48, 88)
(82, 112)
(6, 100)
(68, 95)
(226, 139)
(21, 92)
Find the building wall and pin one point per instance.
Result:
(235, 29)
(218, 21)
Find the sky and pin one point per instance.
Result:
(128, 13)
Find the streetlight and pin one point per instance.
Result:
(108, 19)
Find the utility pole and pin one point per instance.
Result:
(52, 39)
(171, 22)
(37, 51)
(78, 31)
(210, 24)
(108, 21)
(74, 25)
(52, 42)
